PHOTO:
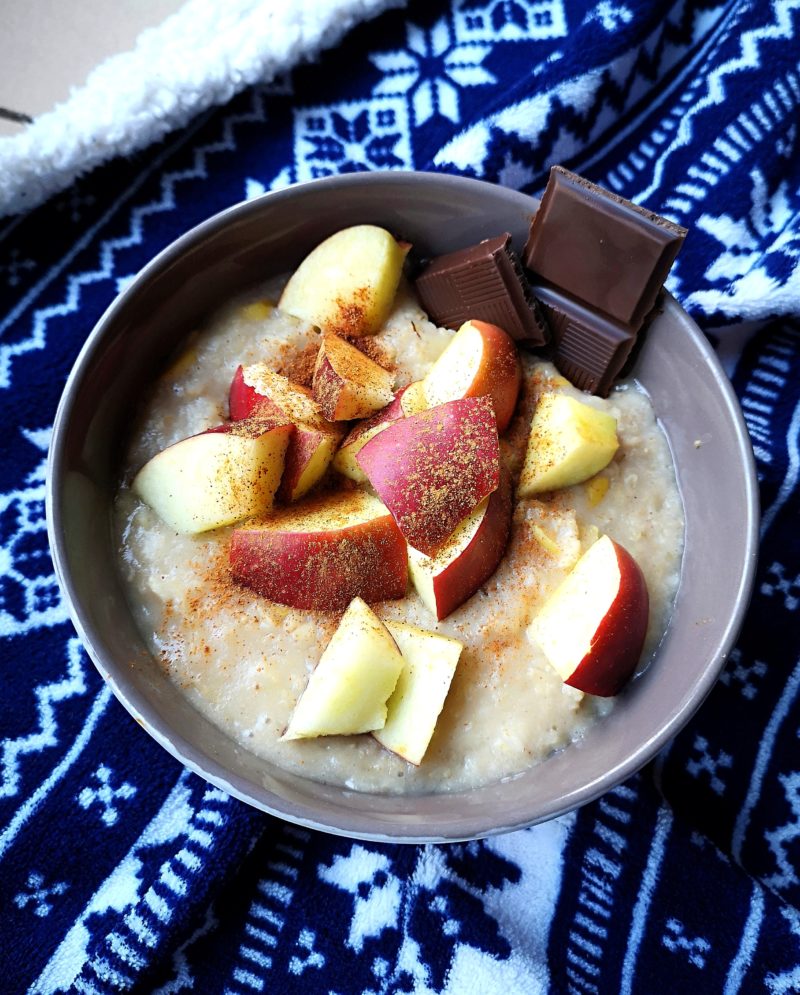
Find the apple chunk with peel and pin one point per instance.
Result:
(432, 469)
(348, 283)
(348, 384)
(359, 435)
(215, 478)
(415, 705)
(480, 359)
(569, 443)
(357, 673)
(321, 554)
(468, 559)
(592, 627)
(258, 389)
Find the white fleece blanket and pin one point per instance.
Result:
(199, 57)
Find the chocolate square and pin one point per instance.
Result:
(588, 348)
(600, 248)
(485, 282)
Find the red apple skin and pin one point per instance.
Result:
(304, 444)
(433, 468)
(385, 416)
(479, 560)
(243, 398)
(499, 374)
(328, 390)
(245, 402)
(502, 377)
(322, 571)
(618, 641)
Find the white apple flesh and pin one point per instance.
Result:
(257, 389)
(569, 442)
(480, 359)
(355, 677)
(216, 478)
(348, 384)
(468, 559)
(415, 705)
(344, 461)
(592, 627)
(348, 283)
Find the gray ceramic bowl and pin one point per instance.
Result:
(269, 235)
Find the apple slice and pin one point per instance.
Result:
(347, 284)
(468, 559)
(357, 673)
(432, 469)
(345, 459)
(569, 443)
(320, 555)
(415, 705)
(348, 384)
(259, 389)
(592, 627)
(414, 399)
(216, 478)
(480, 359)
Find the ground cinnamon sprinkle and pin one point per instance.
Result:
(374, 351)
(298, 364)
(352, 313)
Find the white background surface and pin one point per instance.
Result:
(49, 46)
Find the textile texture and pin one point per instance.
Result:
(119, 871)
(198, 58)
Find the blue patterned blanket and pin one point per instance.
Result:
(119, 871)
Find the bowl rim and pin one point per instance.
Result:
(213, 771)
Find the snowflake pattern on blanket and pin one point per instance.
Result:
(122, 872)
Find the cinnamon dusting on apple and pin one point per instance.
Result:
(351, 314)
(297, 365)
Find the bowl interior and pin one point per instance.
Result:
(270, 235)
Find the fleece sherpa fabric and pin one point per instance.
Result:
(121, 872)
(199, 57)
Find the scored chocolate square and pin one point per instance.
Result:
(588, 348)
(486, 282)
(601, 249)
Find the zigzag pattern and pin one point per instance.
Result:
(781, 840)
(43, 604)
(48, 697)
(627, 85)
(586, 125)
(135, 236)
(749, 58)
(124, 953)
(768, 377)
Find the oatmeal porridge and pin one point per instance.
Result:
(244, 660)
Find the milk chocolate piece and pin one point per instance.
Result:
(598, 262)
(486, 282)
(601, 249)
(588, 348)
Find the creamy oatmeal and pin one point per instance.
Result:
(244, 661)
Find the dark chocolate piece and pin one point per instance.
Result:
(598, 262)
(485, 282)
(601, 249)
(588, 348)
